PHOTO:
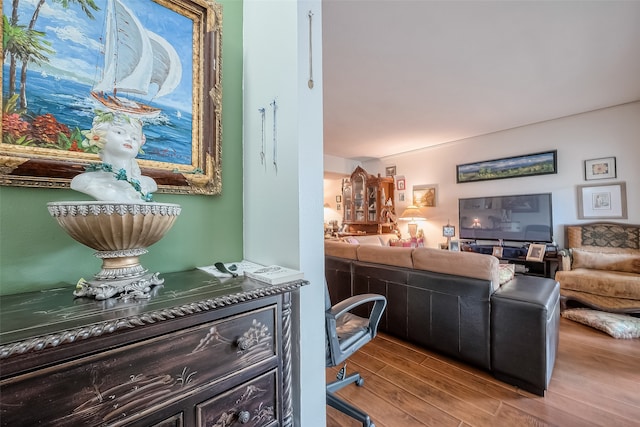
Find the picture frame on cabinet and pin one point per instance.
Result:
(448, 230)
(454, 245)
(536, 252)
(390, 171)
(602, 201)
(602, 168)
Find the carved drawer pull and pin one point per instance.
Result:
(244, 417)
(255, 335)
(244, 343)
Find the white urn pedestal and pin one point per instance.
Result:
(120, 233)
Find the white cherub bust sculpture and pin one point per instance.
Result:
(118, 178)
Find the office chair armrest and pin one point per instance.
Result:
(345, 306)
(355, 301)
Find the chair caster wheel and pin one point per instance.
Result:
(360, 383)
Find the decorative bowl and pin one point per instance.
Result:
(120, 232)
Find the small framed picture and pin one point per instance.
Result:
(497, 251)
(338, 199)
(338, 207)
(454, 245)
(536, 252)
(600, 168)
(400, 184)
(424, 195)
(390, 171)
(401, 197)
(448, 230)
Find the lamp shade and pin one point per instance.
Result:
(412, 213)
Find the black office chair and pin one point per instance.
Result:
(346, 333)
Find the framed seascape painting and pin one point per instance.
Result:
(508, 167)
(158, 61)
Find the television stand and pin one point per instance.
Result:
(545, 268)
(517, 255)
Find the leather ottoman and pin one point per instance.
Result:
(525, 316)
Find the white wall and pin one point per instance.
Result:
(332, 188)
(283, 204)
(603, 133)
(339, 166)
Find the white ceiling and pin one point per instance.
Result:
(401, 75)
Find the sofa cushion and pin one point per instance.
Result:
(626, 262)
(466, 264)
(615, 284)
(340, 249)
(399, 257)
(373, 239)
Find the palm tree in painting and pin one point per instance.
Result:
(31, 46)
(22, 45)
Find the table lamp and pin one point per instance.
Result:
(412, 214)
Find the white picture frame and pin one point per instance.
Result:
(454, 245)
(602, 201)
(536, 252)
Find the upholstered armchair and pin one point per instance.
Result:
(346, 333)
(600, 267)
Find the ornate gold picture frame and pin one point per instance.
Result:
(49, 99)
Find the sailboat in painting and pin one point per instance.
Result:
(136, 61)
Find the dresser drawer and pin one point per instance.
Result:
(174, 421)
(118, 385)
(252, 404)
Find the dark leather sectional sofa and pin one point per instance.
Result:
(453, 303)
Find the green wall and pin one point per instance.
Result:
(35, 253)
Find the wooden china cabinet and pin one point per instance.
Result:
(368, 203)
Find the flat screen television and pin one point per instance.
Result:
(517, 218)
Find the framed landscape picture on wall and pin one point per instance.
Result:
(508, 167)
(424, 196)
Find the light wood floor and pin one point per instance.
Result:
(595, 382)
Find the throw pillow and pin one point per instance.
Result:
(629, 263)
(614, 324)
(506, 273)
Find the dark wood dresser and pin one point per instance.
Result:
(202, 351)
